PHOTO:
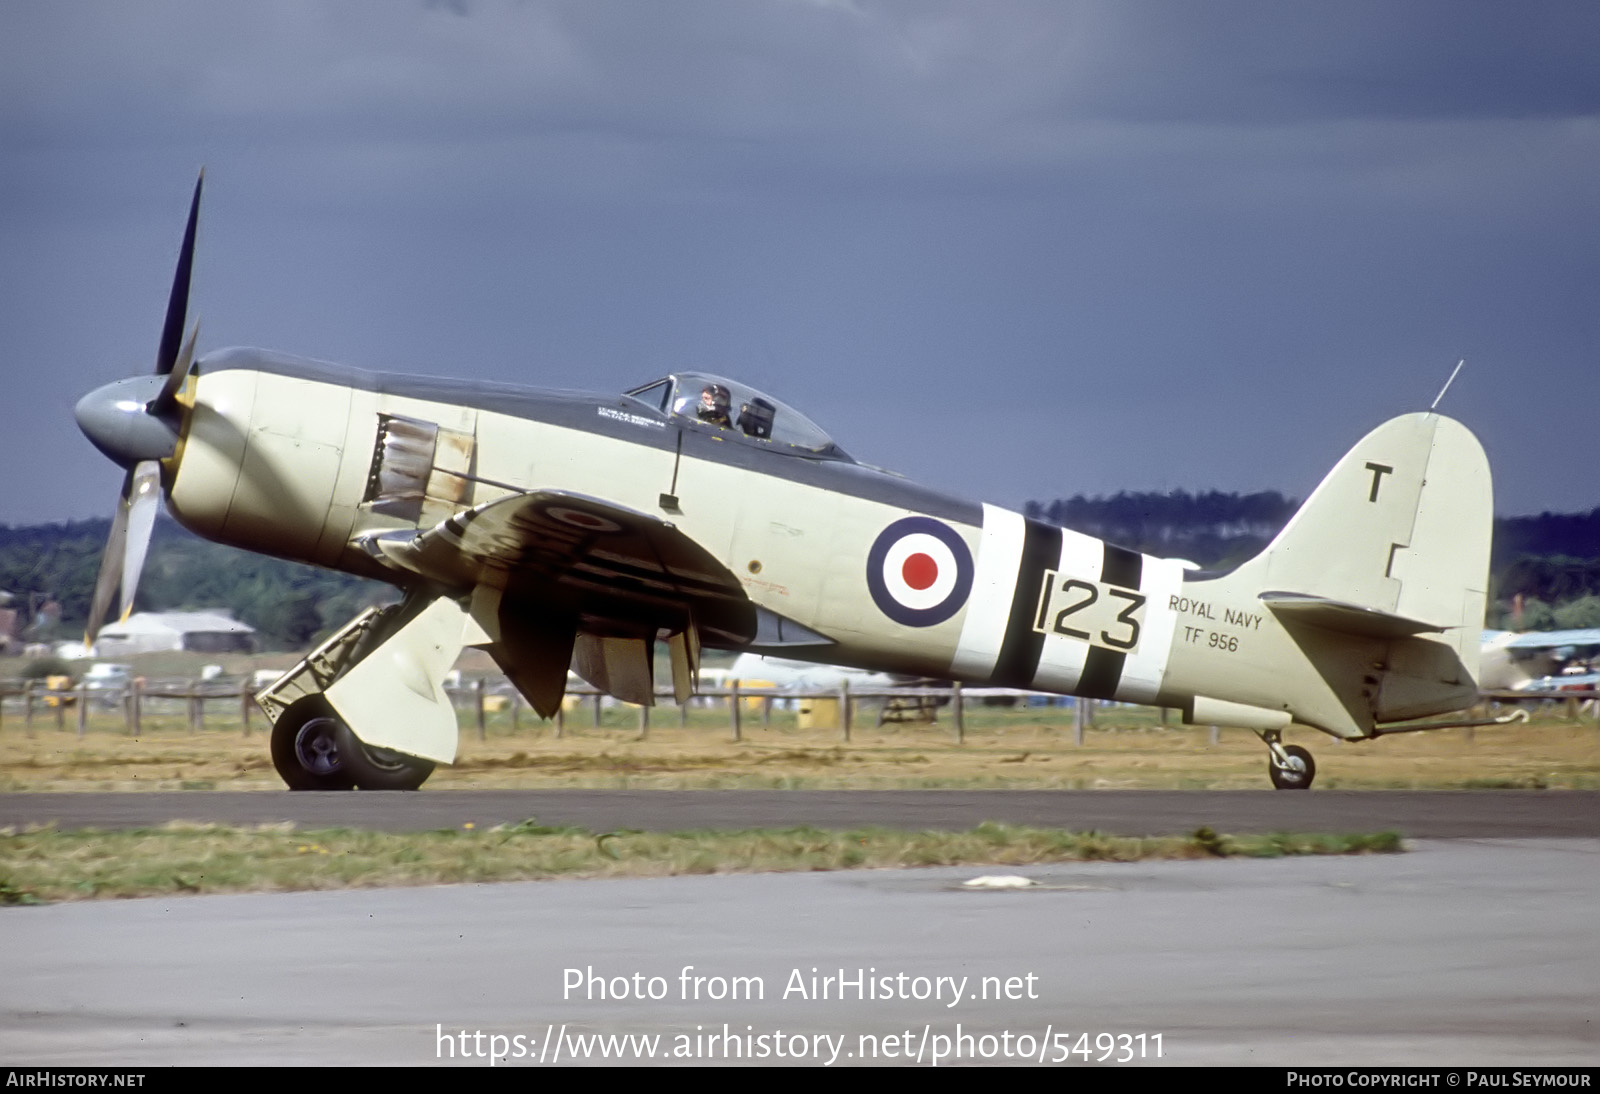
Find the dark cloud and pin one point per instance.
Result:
(1072, 246)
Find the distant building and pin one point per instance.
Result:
(148, 632)
(73, 650)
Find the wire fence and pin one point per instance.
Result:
(231, 701)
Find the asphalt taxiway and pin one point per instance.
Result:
(1460, 952)
(1475, 947)
(1434, 814)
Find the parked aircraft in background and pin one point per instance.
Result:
(559, 529)
(783, 672)
(1538, 660)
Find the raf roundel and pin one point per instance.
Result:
(577, 518)
(919, 571)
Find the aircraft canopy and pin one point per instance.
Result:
(718, 403)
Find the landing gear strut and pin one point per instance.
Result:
(1290, 766)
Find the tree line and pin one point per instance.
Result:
(1545, 569)
(50, 572)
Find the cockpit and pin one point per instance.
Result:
(741, 412)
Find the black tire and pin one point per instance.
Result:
(307, 747)
(1298, 775)
(380, 768)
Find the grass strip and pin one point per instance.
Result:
(45, 865)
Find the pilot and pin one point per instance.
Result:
(714, 404)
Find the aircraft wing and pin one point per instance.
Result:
(1514, 660)
(1547, 640)
(560, 578)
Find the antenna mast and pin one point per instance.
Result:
(1447, 384)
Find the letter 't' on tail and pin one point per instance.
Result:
(1393, 544)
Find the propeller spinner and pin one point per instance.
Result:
(136, 422)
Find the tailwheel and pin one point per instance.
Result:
(307, 747)
(1293, 770)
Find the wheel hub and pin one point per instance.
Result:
(316, 746)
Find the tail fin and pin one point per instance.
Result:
(1393, 544)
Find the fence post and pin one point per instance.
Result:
(27, 706)
(83, 707)
(61, 709)
(597, 708)
(844, 708)
(561, 715)
(958, 708)
(516, 707)
(246, 701)
(733, 706)
(1080, 708)
(135, 704)
(644, 719)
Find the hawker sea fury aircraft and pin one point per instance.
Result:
(559, 529)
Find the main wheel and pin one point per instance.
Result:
(307, 747)
(1297, 774)
(379, 768)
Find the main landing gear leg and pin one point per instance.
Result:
(312, 747)
(1290, 766)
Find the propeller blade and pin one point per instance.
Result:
(135, 518)
(168, 397)
(178, 301)
(144, 504)
(127, 544)
(105, 585)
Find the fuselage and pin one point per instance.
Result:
(301, 459)
(285, 456)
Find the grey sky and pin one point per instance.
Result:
(1016, 250)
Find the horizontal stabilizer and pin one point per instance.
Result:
(1346, 618)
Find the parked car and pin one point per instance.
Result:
(107, 682)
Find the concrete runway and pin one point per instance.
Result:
(1461, 952)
